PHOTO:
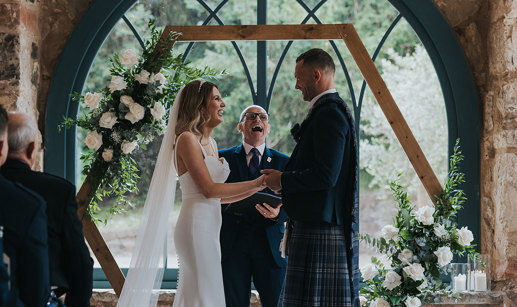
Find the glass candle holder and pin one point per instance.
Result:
(478, 273)
(459, 273)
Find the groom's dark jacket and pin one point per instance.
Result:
(319, 183)
(271, 159)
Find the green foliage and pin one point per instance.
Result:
(130, 112)
(419, 245)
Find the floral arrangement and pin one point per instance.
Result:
(419, 247)
(129, 113)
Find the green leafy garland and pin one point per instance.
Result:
(419, 245)
(129, 113)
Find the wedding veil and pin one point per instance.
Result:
(147, 263)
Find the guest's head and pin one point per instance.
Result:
(254, 125)
(201, 107)
(4, 147)
(314, 73)
(23, 138)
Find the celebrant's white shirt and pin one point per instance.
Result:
(249, 155)
(313, 100)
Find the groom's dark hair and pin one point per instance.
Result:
(318, 58)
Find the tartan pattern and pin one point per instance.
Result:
(317, 270)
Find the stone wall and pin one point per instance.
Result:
(32, 35)
(19, 41)
(486, 31)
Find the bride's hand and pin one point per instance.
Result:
(261, 182)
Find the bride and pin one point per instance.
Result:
(188, 148)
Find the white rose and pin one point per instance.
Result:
(415, 271)
(369, 271)
(413, 301)
(129, 58)
(142, 77)
(390, 232)
(362, 300)
(406, 256)
(444, 255)
(128, 147)
(136, 113)
(160, 78)
(379, 302)
(392, 280)
(93, 140)
(107, 154)
(92, 99)
(126, 100)
(107, 120)
(117, 83)
(425, 215)
(158, 111)
(439, 231)
(465, 236)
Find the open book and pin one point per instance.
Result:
(246, 207)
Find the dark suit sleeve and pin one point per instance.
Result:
(33, 268)
(328, 134)
(78, 264)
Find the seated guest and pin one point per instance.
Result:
(4, 275)
(22, 215)
(71, 266)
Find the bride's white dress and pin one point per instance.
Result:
(197, 241)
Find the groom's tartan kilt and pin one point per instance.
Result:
(317, 269)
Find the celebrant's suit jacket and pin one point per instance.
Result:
(71, 267)
(319, 183)
(271, 159)
(22, 214)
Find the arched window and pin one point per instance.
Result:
(412, 45)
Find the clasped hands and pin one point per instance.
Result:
(271, 179)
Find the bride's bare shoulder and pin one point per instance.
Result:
(186, 140)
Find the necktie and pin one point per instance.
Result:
(254, 162)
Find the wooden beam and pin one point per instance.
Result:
(393, 115)
(256, 32)
(94, 237)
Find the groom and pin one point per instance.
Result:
(250, 244)
(319, 193)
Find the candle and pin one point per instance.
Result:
(460, 283)
(479, 281)
(471, 281)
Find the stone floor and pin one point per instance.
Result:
(107, 298)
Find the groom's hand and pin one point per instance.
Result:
(273, 179)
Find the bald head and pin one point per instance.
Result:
(22, 137)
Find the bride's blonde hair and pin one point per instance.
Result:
(191, 116)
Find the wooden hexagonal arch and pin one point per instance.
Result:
(349, 35)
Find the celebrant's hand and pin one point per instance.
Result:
(273, 179)
(267, 211)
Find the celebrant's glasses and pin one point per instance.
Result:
(251, 116)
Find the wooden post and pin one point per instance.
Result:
(389, 107)
(94, 237)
